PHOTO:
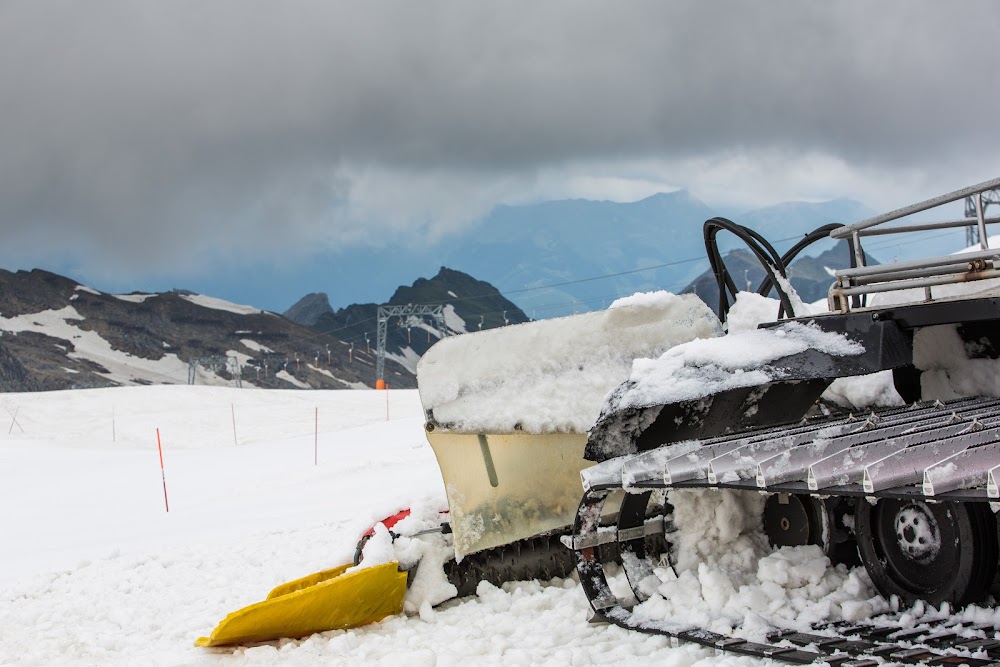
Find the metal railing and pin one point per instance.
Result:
(855, 283)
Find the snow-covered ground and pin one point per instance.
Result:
(96, 572)
(266, 486)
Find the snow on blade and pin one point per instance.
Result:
(552, 375)
(863, 391)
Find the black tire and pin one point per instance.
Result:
(936, 552)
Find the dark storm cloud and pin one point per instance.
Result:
(129, 125)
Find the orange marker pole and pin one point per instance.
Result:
(162, 473)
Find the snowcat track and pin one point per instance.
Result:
(969, 429)
(540, 557)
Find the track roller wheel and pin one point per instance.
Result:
(937, 552)
(792, 520)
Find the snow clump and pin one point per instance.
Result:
(727, 578)
(428, 585)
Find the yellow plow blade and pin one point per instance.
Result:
(327, 600)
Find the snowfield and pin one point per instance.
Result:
(267, 486)
(96, 572)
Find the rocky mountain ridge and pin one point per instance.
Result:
(58, 334)
(468, 305)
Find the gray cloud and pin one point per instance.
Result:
(234, 125)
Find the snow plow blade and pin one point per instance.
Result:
(327, 600)
(507, 410)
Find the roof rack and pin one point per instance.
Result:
(854, 284)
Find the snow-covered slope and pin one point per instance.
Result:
(57, 334)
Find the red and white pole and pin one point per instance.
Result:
(163, 474)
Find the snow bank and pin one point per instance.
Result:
(408, 358)
(552, 375)
(254, 345)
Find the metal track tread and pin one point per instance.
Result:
(962, 423)
(895, 452)
(943, 642)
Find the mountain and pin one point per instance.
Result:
(810, 276)
(793, 219)
(594, 252)
(468, 305)
(307, 310)
(558, 257)
(58, 334)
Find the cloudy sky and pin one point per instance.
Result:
(148, 145)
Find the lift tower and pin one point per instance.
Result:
(435, 313)
(975, 207)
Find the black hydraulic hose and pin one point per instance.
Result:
(793, 252)
(817, 234)
(766, 255)
(764, 251)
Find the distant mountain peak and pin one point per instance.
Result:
(309, 309)
(682, 193)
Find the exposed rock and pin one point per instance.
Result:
(309, 309)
